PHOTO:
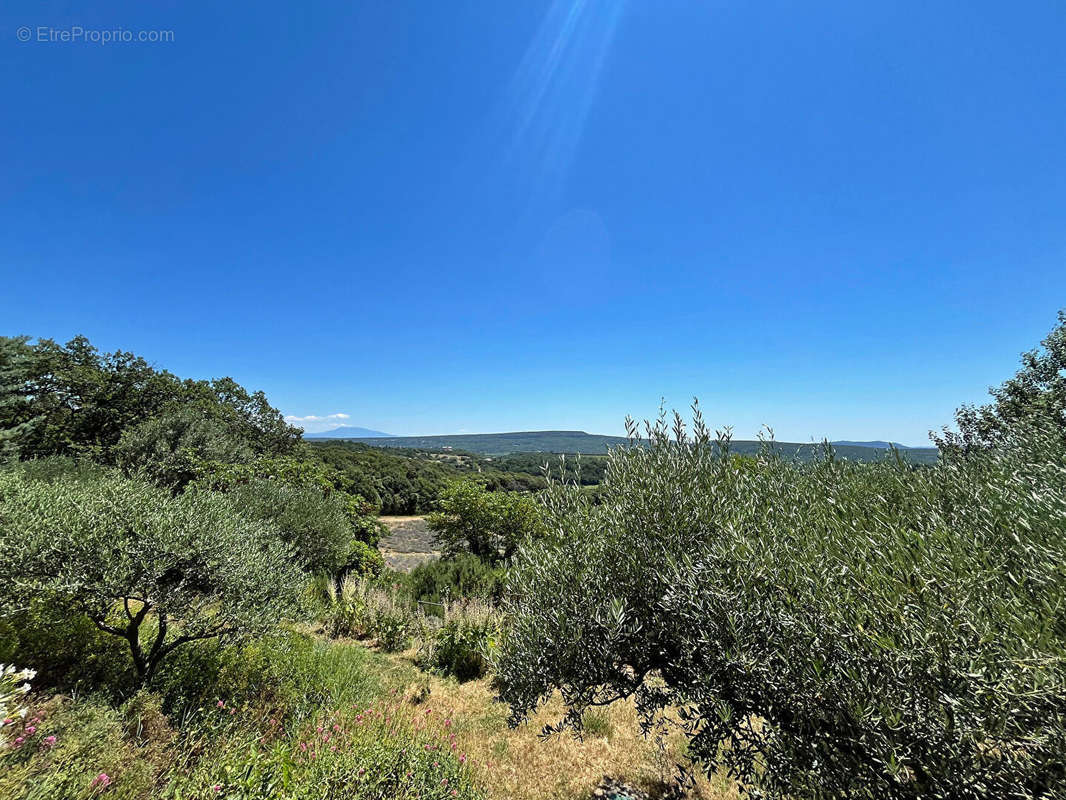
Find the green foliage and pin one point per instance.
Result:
(315, 525)
(67, 650)
(72, 400)
(362, 560)
(830, 630)
(167, 449)
(400, 481)
(297, 472)
(364, 608)
(132, 557)
(16, 418)
(464, 643)
(1035, 396)
(463, 576)
(490, 525)
(393, 484)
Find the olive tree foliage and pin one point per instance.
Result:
(169, 448)
(332, 530)
(315, 525)
(155, 569)
(490, 525)
(832, 630)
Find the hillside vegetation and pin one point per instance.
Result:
(574, 442)
(196, 607)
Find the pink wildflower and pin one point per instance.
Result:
(30, 729)
(101, 780)
(217, 788)
(48, 741)
(220, 704)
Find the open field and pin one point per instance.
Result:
(408, 543)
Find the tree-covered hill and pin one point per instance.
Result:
(494, 444)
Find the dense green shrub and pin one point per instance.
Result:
(460, 577)
(67, 650)
(831, 630)
(168, 449)
(153, 569)
(490, 525)
(314, 524)
(73, 400)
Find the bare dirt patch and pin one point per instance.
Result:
(408, 543)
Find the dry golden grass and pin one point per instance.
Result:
(519, 763)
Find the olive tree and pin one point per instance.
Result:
(154, 569)
(826, 630)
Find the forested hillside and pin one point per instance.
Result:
(579, 442)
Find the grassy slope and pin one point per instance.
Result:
(519, 764)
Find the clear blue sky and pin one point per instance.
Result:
(839, 218)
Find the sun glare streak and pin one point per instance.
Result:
(555, 86)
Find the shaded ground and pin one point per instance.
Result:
(408, 543)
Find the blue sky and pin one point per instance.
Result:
(841, 219)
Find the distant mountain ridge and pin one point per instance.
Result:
(347, 432)
(878, 444)
(498, 444)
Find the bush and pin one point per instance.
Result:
(832, 630)
(364, 608)
(463, 577)
(363, 560)
(464, 643)
(69, 652)
(167, 449)
(315, 525)
(490, 525)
